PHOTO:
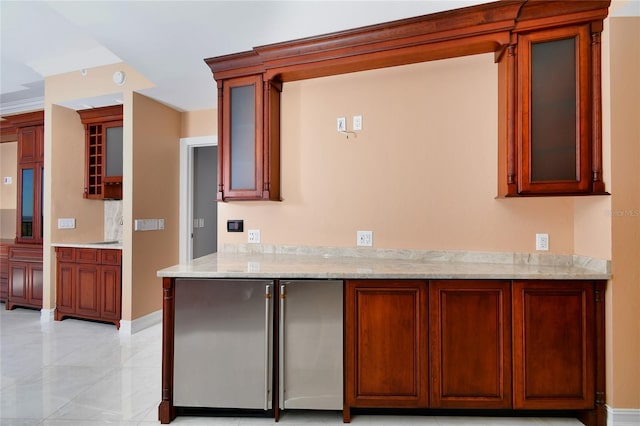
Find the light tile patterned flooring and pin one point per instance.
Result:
(75, 372)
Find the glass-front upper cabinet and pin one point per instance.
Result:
(249, 160)
(103, 152)
(29, 227)
(555, 112)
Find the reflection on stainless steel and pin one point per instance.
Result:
(311, 345)
(223, 334)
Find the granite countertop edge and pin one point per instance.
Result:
(345, 263)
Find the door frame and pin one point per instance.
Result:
(187, 146)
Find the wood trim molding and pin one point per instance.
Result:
(471, 30)
(10, 124)
(101, 115)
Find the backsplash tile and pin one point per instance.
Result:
(113, 220)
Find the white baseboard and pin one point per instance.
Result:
(127, 328)
(623, 417)
(46, 315)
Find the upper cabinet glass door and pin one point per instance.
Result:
(242, 138)
(27, 203)
(242, 141)
(555, 111)
(113, 159)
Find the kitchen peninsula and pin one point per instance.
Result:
(424, 330)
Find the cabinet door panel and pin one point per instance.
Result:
(470, 344)
(18, 283)
(553, 345)
(36, 280)
(387, 344)
(65, 294)
(88, 294)
(555, 110)
(110, 307)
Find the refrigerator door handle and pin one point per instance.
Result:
(267, 339)
(283, 293)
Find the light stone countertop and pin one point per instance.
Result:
(338, 263)
(115, 245)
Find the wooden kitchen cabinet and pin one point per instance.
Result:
(249, 134)
(558, 142)
(554, 345)
(25, 277)
(386, 363)
(550, 100)
(88, 284)
(24, 258)
(4, 269)
(470, 343)
(103, 152)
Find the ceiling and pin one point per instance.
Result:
(166, 41)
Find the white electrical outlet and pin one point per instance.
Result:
(542, 242)
(342, 124)
(364, 238)
(254, 236)
(357, 122)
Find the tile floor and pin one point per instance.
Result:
(76, 373)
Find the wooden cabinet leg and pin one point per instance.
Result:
(346, 414)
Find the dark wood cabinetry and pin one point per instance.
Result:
(470, 344)
(29, 226)
(557, 145)
(550, 118)
(4, 270)
(88, 284)
(249, 134)
(25, 276)
(386, 344)
(103, 152)
(492, 344)
(554, 345)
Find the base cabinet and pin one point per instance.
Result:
(386, 344)
(554, 351)
(508, 346)
(25, 277)
(476, 344)
(470, 344)
(88, 284)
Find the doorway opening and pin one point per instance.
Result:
(198, 205)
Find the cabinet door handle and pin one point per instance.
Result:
(281, 345)
(267, 339)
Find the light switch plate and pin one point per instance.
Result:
(542, 242)
(66, 223)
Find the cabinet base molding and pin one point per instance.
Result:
(623, 416)
(127, 328)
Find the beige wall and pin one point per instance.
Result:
(155, 186)
(8, 195)
(67, 177)
(199, 123)
(421, 175)
(624, 289)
